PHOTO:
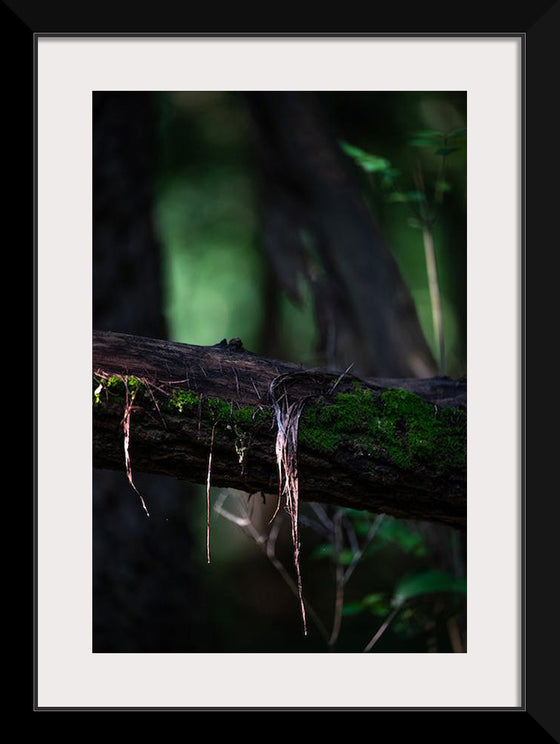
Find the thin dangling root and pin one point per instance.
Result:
(208, 495)
(129, 400)
(287, 421)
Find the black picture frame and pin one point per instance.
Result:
(538, 24)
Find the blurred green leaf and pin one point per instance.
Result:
(427, 583)
(351, 150)
(376, 604)
(416, 196)
(407, 539)
(457, 133)
(323, 551)
(373, 164)
(362, 527)
(366, 161)
(447, 150)
(443, 186)
(390, 175)
(427, 138)
(397, 196)
(423, 142)
(352, 608)
(406, 196)
(373, 598)
(433, 133)
(343, 557)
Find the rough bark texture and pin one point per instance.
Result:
(392, 446)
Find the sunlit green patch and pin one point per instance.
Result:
(395, 425)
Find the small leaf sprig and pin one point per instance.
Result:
(424, 208)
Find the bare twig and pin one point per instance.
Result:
(383, 627)
(340, 377)
(359, 553)
(433, 283)
(267, 545)
(321, 513)
(431, 269)
(339, 578)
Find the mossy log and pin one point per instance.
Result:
(391, 446)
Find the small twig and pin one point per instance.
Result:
(321, 512)
(435, 298)
(255, 388)
(243, 522)
(359, 553)
(315, 526)
(383, 627)
(351, 535)
(454, 635)
(431, 269)
(154, 401)
(339, 579)
(236, 380)
(340, 378)
(267, 545)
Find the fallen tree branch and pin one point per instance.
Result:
(387, 446)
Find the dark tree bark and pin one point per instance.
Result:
(361, 444)
(145, 596)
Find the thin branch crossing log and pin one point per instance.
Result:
(387, 446)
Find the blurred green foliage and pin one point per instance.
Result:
(217, 285)
(208, 215)
(425, 212)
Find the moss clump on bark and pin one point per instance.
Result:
(183, 401)
(395, 425)
(116, 386)
(234, 422)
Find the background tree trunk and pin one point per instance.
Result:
(145, 596)
(317, 226)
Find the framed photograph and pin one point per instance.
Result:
(432, 128)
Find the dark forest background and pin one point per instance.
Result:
(298, 223)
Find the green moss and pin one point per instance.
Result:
(394, 426)
(135, 385)
(348, 419)
(218, 409)
(183, 401)
(423, 433)
(397, 425)
(115, 386)
(249, 415)
(230, 421)
(316, 429)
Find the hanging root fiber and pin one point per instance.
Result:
(287, 420)
(129, 401)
